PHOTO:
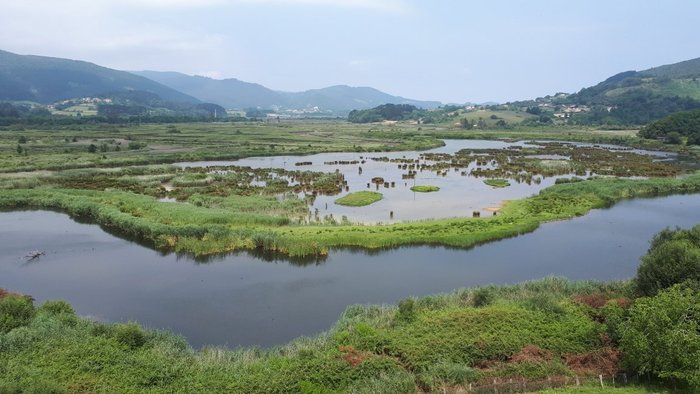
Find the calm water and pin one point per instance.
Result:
(245, 300)
(459, 195)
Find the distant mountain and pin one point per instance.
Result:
(230, 93)
(233, 93)
(47, 79)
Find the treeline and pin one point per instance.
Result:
(396, 112)
(673, 127)
(383, 112)
(118, 107)
(633, 107)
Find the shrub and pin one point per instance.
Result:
(662, 335)
(15, 311)
(407, 310)
(674, 257)
(57, 308)
(130, 334)
(482, 297)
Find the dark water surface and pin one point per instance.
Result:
(244, 300)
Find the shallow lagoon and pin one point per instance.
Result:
(459, 195)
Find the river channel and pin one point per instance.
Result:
(242, 300)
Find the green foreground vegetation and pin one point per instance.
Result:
(359, 199)
(538, 334)
(425, 188)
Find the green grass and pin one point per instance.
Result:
(432, 343)
(425, 188)
(498, 183)
(359, 199)
(212, 228)
(64, 147)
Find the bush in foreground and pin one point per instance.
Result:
(674, 257)
(662, 335)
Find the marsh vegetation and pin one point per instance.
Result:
(124, 179)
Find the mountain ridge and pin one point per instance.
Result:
(45, 79)
(336, 98)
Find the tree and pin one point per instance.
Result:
(674, 138)
(662, 335)
(694, 139)
(673, 257)
(92, 148)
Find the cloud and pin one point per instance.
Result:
(78, 5)
(379, 5)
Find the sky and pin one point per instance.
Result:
(453, 51)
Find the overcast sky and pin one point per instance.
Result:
(452, 51)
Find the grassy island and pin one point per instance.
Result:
(425, 188)
(359, 199)
(498, 183)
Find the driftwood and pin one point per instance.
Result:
(34, 254)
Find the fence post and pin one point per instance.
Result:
(601, 381)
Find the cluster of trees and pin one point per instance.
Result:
(384, 112)
(403, 112)
(635, 107)
(661, 333)
(674, 127)
(128, 106)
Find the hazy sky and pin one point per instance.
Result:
(452, 51)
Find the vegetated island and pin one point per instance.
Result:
(191, 228)
(359, 199)
(497, 182)
(425, 188)
(540, 334)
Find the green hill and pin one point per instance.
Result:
(46, 79)
(626, 98)
(638, 97)
(675, 126)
